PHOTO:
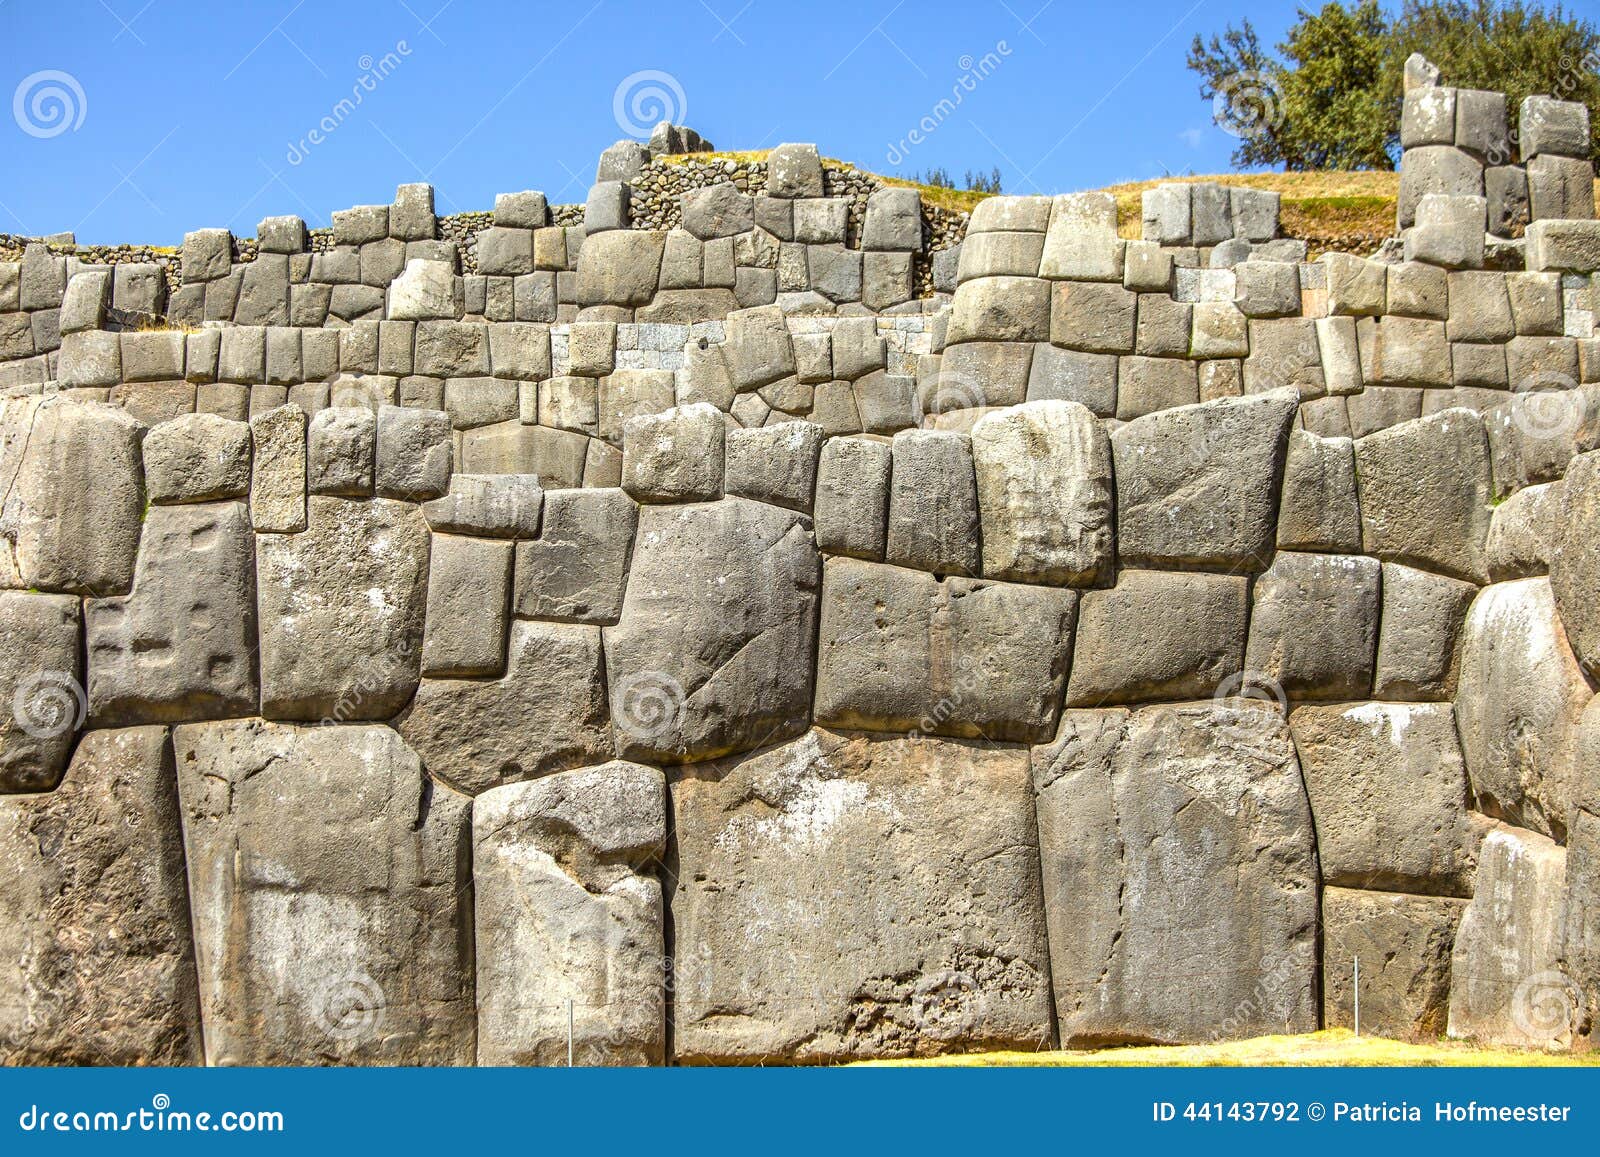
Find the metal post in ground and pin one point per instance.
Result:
(1357, 961)
(569, 1034)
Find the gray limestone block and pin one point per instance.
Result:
(794, 171)
(1480, 308)
(197, 458)
(857, 348)
(1011, 214)
(776, 216)
(1408, 998)
(152, 357)
(1356, 285)
(1095, 317)
(1481, 125)
(505, 252)
(620, 267)
(852, 497)
(520, 350)
(713, 651)
(1449, 231)
(44, 278)
(180, 647)
(469, 585)
(999, 255)
(1159, 635)
(1339, 350)
(591, 348)
(776, 464)
(1163, 326)
(1575, 559)
(479, 401)
(264, 292)
(396, 347)
(1176, 844)
(918, 892)
(1425, 491)
(886, 279)
(90, 358)
(1003, 309)
(556, 457)
(718, 210)
(1380, 407)
(1525, 533)
(1147, 268)
(682, 261)
(225, 400)
(1536, 303)
(360, 224)
(207, 255)
(893, 220)
(606, 208)
(632, 393)
(1436, 169)
(1199, 485)
(342, 607)
(1319, 509)
(524, 210)
(576, 569)
(87, 298)
(982, 373)
(1314, 625)
(757, 349)
(368, 961)
(452, 349)
(341, 446)
(1166, 212)
(1073, 376)
(1146, 385)
(1210, 213)
(278, 471)
(1506, 189)
(139, 287)
(488, 506)
(1428, 117)
(414, 455)
(74, 498)
(1081, 243)
(566, 902)
(411, 216)
(42, 697)
(1267, 288)
(674, 456)
(94, 913)
(1554, 127)
(1580, 952)
(813, 358)
(568, 403)
(1560, 187)
(1418, 290)
(933, 503)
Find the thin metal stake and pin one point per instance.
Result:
(1357, 960)
(569, 1034)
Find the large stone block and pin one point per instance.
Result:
(1198, 485)
(96, 958)
(74, 495)
(546, 713)
(852, 497)
(674, 456)
(569, 916)
(1044, 494)
(713, 650)
(1095, 317)
(197, 458)
(42, 699)
(1006, 309)
(1403, 944)
(933, 503)
(330, 882)
(899, 651)
(776, 464)
(1314, 625)
(1180, 875)
(1425, 493)
(576, 569)
(341, 610)
(181, 646)
(619, 267)
(1575, 565)
(488, 506)
(469, 581)
(907, 874)
(1419, 640)
(1319, 509)
(1159, 635)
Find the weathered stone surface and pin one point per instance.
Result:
(674, 456)
(181, 646)
(1198, 485)
(1158, 635)
(414, 455)
(469, 586)
(488, 505)
(1506, 986)
(1575, 566)
(1319, 509)
(852, 497)
(341, 610)
(278, 471)
(619, 267)
(899, 651)
(557, 458)
(546, 713)
(933, 503)
(776, 464)
(794, 171)
(713, 650)
(329, 886)
(566, 910)
(576, 569)
(1425, 493)
(1180, 874)
(1403, 944)
(1525, 533)
(1008, 309)
(1520, 697)
(74, 494)
(1314, 625)
(341, 446)
(1389, 793)
(96, 959)
(907, 873)
(1419, 640)
(197, 458)
(42, 700)
(1580, 952)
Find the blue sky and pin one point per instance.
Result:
(135, 120)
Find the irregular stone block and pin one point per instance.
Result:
(181, 646)
(488, 506)
(278, 472)
(425, 291)
(1435, 169)
(713, 651)
(619, 267)
(364, 959)
(340, 451)
(776, 464)
(341, 607)
(794, 171)
(414, 455)
(893, 220)
(1081, 243)
(1425, 493)
(1403, 944)
(1044, 494)
(556, 458)
(1553, 127)
(909, 872)
(42, 699)
(469, 580)
(95, 951)
(901, 651)
(1565, 246)
(1147, 385)
(1314, 625)
(568, 915)
(674, 456)
(1158, 635)
(206, 255)
(1524, 535)
(933, 503)
(1071, 376)
(1419, 641)
(1575, 564)
(1007, 309)
(576, 569)
(197, 458)
(1198, 485)
(980, 373)
(1319, 509)
(1449, 231)
(852, 497)
(1096, 317)
(1176, 842)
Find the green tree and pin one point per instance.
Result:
(1329, 97)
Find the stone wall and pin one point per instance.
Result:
(419, 639)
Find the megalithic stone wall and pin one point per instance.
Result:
(756, 617)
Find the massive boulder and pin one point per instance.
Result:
(96, 960)
(341, 611)
(1403, 946)
(1575, 567)
(1180, 875)
(331, 904)
(42, 700)
(569, 920)
(1314, 625)
(713, 652)
(843, 897)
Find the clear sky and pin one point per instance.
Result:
(135, 120)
